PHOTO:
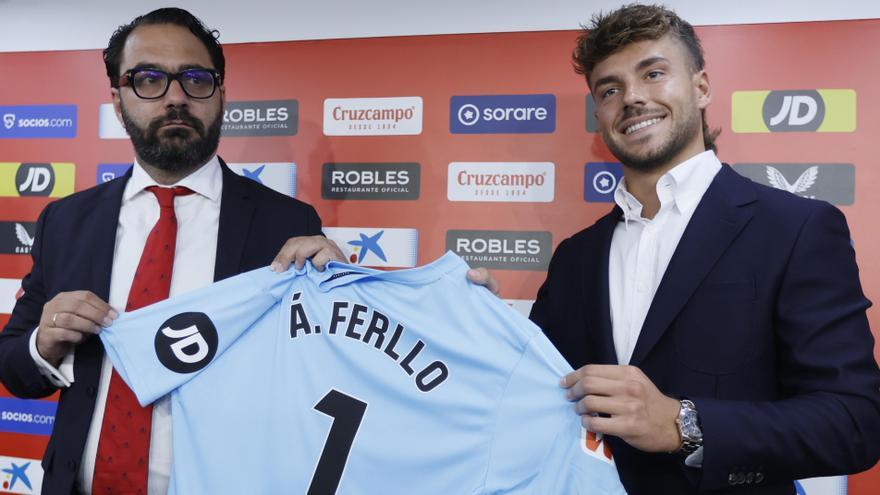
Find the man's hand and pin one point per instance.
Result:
(481, 276)
(632, 408)
(298, 249)
(68, 319)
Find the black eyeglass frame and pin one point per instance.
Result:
(127, 78)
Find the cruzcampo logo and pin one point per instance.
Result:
(812, 110)
(54, 180)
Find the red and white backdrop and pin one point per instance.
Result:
(482, 144)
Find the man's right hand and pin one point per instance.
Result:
(68, 319)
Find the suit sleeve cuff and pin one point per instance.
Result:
(62, 376)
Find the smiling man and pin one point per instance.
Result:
(178, 221)
(719, 325)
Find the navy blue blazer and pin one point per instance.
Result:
(73, 250)
(759, 319)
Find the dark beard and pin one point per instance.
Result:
(660, 157)
(174, 152)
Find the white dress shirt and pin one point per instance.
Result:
(198, 217)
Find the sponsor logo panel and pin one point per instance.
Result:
(502, 249)
(501, 182)
(522, 306)
(373, 116)
(376, 181)
(809, 110)
(109, 126)
(832, 182)
(20, 476)
(832, 485)
(9, 288)
(594, 445)
(592, 123)
(502, 114)
(31, 417)
(16, 237)
(261, 118)
(55, 180)
(109, 171)
(600, 181)
(379, 247)
(278, 176)
(38, 121)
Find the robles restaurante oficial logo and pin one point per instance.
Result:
(502, 249)
(371, 181)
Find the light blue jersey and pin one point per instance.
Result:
(357, 381)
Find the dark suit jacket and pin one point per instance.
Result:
(73, 250)
(759, 319)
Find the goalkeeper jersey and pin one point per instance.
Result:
(358, 381)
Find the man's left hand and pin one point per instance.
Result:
(299, 249)
(622, 401)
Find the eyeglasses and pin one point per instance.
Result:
(151, 84)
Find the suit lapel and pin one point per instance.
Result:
(236, 211)
(103, 223)
(716, 222)
(596, 285)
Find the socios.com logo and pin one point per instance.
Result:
(26, 416)
(54, 180)
(822, 110)
(38, 121)
(502, 114)
(186, 342)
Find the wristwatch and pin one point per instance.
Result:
(688, 423)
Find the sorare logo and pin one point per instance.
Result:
(275, 175)
(832, 182)
(521, 182)
(379, 247)
(371, 181)
(600, 181)
(261, 118)
(109, 171)
(26, 416)
(809, 110)
(502, 114)
(373, 116)
(16, 237)
(38, 121)
(20, 476)
(502, 249)
(54, 180)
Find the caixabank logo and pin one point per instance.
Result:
(38, 121)
(261, 118)
(373, 116)
(16, 237)
(275, 175)
(600, 181)
(54, 180)
(520, 182)
(371, 181)
(20, 476)
(379, 247)
(109, 171)
(502, 114)
(832, 182)
(809, 110)
(502, 249)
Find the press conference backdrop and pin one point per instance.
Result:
(480, 144)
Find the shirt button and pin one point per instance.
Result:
(92, 392)
(71, 465)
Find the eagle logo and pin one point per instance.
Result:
(25, 240)
(800, 186)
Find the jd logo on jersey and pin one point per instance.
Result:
(36, 179)
(822, 110)
(186, 342)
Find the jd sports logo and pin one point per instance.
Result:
(833, 182)
(36, 179)
(822, 110)
(16, 237)
(186, 342)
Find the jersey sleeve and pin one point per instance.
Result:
(539, 445)
(158, 348)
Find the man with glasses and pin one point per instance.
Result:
(178, 221)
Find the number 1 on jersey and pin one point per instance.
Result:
(347, 413)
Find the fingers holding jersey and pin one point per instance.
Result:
(68, 319)
(299, 249)
(481, 276)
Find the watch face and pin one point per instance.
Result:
(689, 426)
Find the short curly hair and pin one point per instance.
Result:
(610, 32)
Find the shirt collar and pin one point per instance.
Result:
(682, 187)
(207, 181)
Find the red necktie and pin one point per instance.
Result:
(121, 465)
